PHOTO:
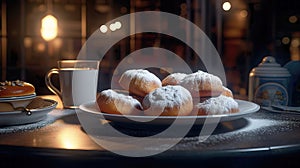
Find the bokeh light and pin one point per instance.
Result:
(226, 6)
(103, 28)
(49, 27)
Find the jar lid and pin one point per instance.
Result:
(269, 67)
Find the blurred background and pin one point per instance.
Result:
(35, 34)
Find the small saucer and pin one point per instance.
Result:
(23, 117)
(18, 101)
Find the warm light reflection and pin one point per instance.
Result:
(226, 6)
(295, 48)
(295, 43)
(27, 42)
(49, 27)
(243, 13)
(285, 40)
(68, 139)
(293, 19)
(41, 47)
(57, 43)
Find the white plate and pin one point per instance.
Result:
(20, 117)
(17, 98)
(245, 108)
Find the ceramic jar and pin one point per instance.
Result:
(268, 83)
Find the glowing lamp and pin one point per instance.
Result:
(49, 27)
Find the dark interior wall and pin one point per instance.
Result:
(13, 39)
(267, 25)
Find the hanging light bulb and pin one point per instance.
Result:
(49, 27)
(226, 6)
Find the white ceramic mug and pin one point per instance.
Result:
(78, 81)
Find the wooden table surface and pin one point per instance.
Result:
(66, 141)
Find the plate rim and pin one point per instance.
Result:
(255, 108)
(17, 98)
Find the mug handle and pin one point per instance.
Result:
(49, 84)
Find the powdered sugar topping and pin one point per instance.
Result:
(174, 78)
(196, 81)
(218, 105)
(140, 74)
(121, 101)
(169, 96)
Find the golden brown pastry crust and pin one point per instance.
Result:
(199, 93)
(140, 88)
(171, 100)
(15, 88)
(227, 92)
(139, 82)
(173, 79)
(202, 84)
(109, 101)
